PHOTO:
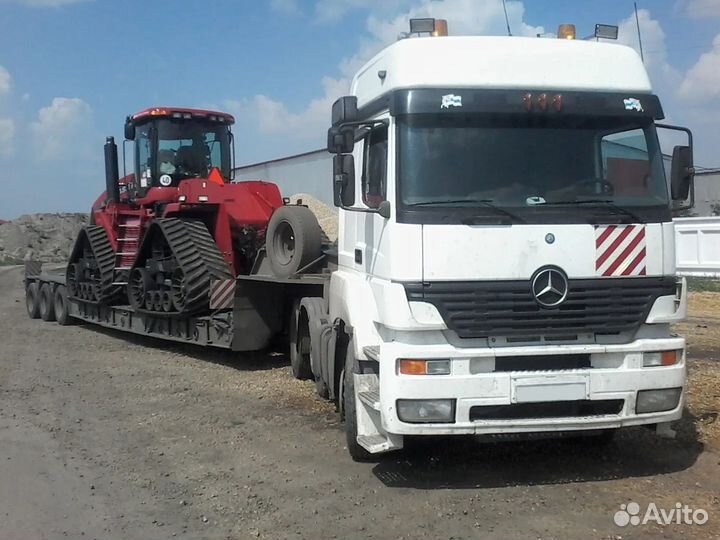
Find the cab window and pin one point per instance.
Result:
(374, 178)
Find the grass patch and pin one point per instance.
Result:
(703, 284)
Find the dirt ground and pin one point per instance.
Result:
(105, 436)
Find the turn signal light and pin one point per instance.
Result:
(424, 367)
(664, 358)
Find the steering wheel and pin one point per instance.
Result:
(606, 188)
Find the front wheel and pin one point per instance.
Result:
(357, 452)
(62, 313)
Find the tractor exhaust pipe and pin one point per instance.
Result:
(112, 175)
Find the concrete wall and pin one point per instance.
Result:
(707, 193)
(309, 173)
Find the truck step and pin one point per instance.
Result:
(379, 443)
(371, 398)
(120, 283)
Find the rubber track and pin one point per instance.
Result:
(197, 254)
(105, 257)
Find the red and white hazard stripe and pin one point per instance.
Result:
(222, 294)
(620, 250)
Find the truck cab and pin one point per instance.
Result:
(505, 252)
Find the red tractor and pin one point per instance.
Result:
(159, 236)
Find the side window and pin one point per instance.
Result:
(625, 162)
(142, 143)
(374, 178)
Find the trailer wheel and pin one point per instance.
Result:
(32, 300)
(293, 240)
(47, 304)
(300, 343)
(62, 314)
(357, 452)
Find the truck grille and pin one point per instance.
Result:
(480, 309)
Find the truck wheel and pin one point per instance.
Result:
(300, 344)
(357, 452)
(32, 300)
(62, 314)
(47, 304)
(293, 240)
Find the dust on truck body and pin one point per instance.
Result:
(505, 253)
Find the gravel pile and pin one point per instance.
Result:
(326, 215)
(43, 237)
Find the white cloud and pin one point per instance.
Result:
(702, 80)
(42, 3)
(63, 129)
(466, 17)
(702, 9)
(654, 46)
(7, 137)
(5, 81)
(286, 7)
(273, 117)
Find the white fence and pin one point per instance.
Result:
(697, 246)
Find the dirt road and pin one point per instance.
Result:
(104, 436)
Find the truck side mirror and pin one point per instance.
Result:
(343, 180)
(340, 140)
(344, 110)
(129, 130)
(681, 172)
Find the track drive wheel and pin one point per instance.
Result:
(139, 284)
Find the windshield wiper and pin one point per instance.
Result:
(486, 203)
(604, 202)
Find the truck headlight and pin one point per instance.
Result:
(426, 411)
(664, 358)
(665, 399)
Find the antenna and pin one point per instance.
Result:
(637, 22)
(507, 21)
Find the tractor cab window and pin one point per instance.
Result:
(191, 149)
(143, 156)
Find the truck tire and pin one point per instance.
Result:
(357, 452)
(32, 300)
(62, 314)
(300, 344)
(47, 303)
(293, 240)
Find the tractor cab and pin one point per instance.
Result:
(172, 145)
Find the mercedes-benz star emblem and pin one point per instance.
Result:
(550, 287)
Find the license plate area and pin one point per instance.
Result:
(549, 388)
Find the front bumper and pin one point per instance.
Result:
(616, 376)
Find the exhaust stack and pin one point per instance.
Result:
(112, 175)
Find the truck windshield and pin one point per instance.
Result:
(517, 162)
(190, 149)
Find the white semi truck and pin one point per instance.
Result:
(505, 260)
(505, 254)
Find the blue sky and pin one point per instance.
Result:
(71, 70)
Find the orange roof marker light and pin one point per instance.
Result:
(566, 31)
